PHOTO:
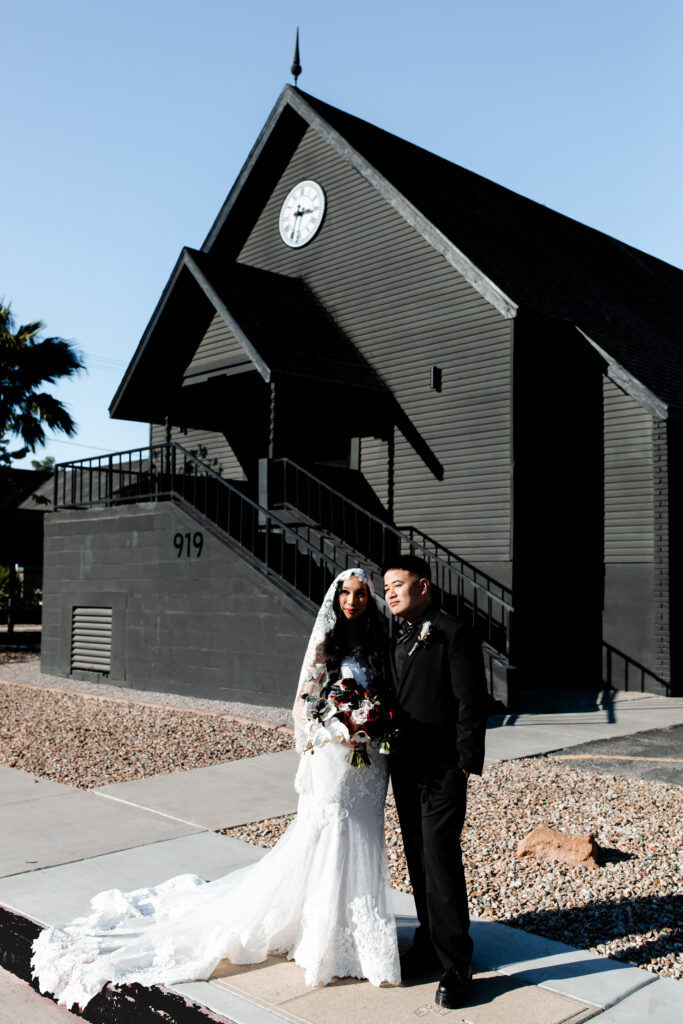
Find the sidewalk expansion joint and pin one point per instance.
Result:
(151, 810)
(98, 856)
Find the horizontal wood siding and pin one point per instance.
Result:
(406, 309)
(629, 503)
(374, 465)
(210, 448)
(218, 343)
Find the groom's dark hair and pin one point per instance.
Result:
(410, 563)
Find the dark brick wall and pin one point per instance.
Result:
(206, 624)
(662, 553)
(668, 480)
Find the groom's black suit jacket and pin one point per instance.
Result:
(442, 700)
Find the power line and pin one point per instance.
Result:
(103, 362)
(78, 444)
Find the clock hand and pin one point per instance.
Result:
(302, 214)
(299, 212)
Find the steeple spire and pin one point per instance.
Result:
(296, 66)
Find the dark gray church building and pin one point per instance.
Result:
(377, 351)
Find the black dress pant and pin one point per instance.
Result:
(431, 812)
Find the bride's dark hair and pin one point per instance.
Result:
(371, 636)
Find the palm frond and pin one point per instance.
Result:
(49, 360)
(52, 413)
(28, 361)
(29, 332)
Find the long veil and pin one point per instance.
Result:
(312, 675)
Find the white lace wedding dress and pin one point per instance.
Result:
(319, 897)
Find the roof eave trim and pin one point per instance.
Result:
(630, 384)
(443, 245)
(149, 331)
(221, 308)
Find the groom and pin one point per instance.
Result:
(440, 690)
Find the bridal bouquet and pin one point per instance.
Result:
(350, 713)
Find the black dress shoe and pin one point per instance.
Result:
(415, 963)
(454, 987)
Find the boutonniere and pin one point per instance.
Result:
(422, 639)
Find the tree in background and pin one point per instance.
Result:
(43, 465)
(27, 362)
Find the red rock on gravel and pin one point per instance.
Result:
(548, 844)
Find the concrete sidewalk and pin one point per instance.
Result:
(579, 720)
(60, 846)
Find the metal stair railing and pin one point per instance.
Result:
(169, 472)
(476, 595)
(467, 568)
(621, 672)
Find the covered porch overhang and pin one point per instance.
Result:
(298, 387)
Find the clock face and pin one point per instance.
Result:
(302, 214)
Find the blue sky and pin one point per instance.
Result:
(126, 123)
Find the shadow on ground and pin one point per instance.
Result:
(638, 930)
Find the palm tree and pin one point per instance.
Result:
(27, 362)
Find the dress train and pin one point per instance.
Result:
(320, 897)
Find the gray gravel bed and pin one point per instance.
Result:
(86, 741)
(629, 908)
(26, 669)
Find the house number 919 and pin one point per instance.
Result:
(190, 543)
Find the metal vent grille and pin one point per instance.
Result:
(91, 639)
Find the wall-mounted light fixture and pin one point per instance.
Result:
(435, 375)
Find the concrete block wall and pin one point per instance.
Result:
(189, 614)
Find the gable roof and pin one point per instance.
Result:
(628, 303)
(518, 254)
(281, 325)
(278, 321)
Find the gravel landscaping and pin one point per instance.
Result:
(89, 741)
(22, 667)
(630, 907)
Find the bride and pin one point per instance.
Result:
(319, 897)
